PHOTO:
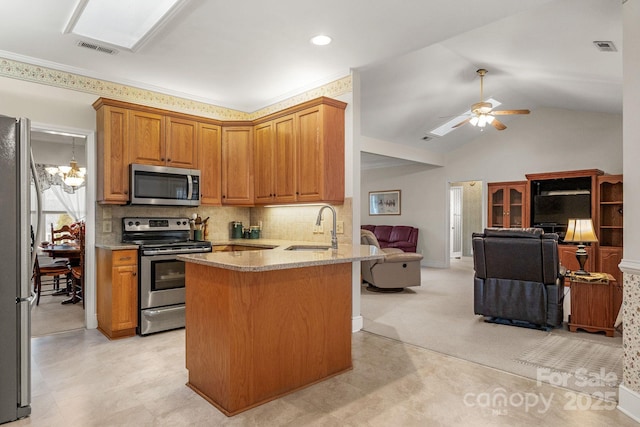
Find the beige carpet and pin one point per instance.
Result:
(50, 316)
(439, 316)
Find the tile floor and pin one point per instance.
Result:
(82, 379)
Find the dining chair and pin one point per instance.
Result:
(77, 271)
(53, 271)
(62, 235)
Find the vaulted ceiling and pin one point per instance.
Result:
(417, 59)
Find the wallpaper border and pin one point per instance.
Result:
(66, 80)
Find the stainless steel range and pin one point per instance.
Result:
(162, 279)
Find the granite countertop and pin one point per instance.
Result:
(276, 257)
(117, 246)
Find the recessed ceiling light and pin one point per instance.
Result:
(321, 40)
(121, 23)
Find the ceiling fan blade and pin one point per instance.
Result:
(498, 124)
(461, 123)
(509, 112)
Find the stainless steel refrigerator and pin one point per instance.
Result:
(16, 169)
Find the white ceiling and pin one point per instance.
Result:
(417, 58)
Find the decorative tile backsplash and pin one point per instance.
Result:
(288, 223)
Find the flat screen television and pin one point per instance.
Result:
(556, 209)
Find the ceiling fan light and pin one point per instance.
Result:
(489, 119)
(474, 120)
(482, 120)
(64, 169)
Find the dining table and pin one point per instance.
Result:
(71, 252)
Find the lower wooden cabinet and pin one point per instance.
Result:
(594, 303)
(117, 292)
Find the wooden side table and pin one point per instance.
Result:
(593, 303)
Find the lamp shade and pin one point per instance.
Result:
(580, 231)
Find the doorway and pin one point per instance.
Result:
(53, 146)
(465, 216)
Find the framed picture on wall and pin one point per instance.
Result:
(384, 202)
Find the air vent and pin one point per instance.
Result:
(97, 47)
(605, 46)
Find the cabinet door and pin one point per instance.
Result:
(507, 205)
(112, 155)
(263, 155)
(497, 211)
(210, 162)
(182, 143)
(125, 297)
(310, 156)
(284, 169)
(567, 256)
(237, 165)
(610, 258)
(146, 138)
(516, 213)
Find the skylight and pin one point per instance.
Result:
(449, 126)
(123, 23)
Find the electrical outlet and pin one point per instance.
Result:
(339, 227)
(106, 213)
(318, 229)
(106, 227)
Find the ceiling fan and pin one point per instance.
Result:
(482, 113)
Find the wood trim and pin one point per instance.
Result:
(564, 174)
(311, 103)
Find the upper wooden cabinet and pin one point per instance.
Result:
(275, 161)
(320, 153)
(163, 140)
(299, 152)
(210, 164)
(181, 147)
(112, 154)
(147, 138)
(237, 165)
(507, 204)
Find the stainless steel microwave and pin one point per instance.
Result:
(161, 185)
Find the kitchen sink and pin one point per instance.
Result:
(308, 248)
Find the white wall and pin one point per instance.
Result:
(547, 140)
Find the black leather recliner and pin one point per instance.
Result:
(517, 277)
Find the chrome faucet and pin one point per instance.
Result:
(334, 238)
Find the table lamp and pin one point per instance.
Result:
(580, 231)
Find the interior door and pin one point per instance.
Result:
(455, 210)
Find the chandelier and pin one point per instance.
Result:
(71, 175)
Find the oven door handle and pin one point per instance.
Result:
(154, 313)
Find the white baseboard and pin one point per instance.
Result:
(629, 402)
(357, 323)
(92, 322)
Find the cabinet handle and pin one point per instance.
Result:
(134, 273)
(223, 196)
(168, 160)
(125, 258)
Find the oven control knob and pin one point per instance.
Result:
(184, 222)
(130, 223)
(137, 223)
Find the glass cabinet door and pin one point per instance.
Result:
(496, 209)
(516, 198)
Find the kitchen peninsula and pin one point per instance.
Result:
(264, 323)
